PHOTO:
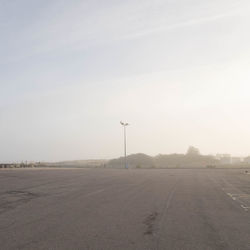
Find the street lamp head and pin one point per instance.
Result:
(124, 124)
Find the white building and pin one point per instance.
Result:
(224, 158)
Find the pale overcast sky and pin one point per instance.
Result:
(177, 70)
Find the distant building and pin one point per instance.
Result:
(247, 159)
(224, 158)
(193, 151)
(236, 160)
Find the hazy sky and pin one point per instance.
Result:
(177, 70)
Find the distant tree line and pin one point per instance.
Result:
(192, 159)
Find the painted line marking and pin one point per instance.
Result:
(239, 194)
(234, 196)
(237, 198)
(245, 208)
(231, 195)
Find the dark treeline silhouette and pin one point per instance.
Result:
(192, 159)
(164, 161)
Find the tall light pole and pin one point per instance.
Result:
(125, 124)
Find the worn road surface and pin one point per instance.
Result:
(124, 209)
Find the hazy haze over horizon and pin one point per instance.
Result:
(177, 71)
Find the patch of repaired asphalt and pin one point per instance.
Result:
(12, 199)
(149, 222)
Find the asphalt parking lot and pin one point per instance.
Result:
(124, 209)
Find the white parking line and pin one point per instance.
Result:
(245, 208)
(232, 196)
(236, 197)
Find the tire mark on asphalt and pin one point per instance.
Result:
(12, 199)
(164, 214)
